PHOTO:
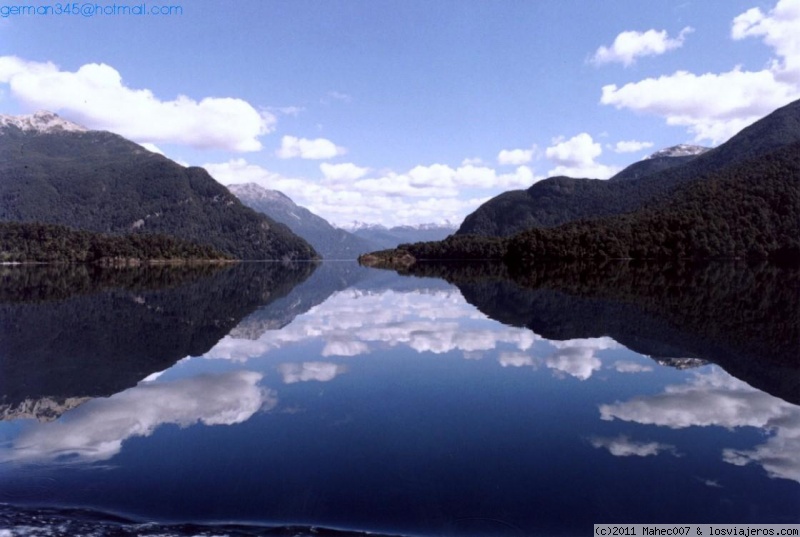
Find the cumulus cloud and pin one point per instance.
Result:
(720, 400)
(353, 323)
(308, 371)
(516, 359)
(433, 193)
(316, 149)
(622, 446)
(577, 357)
(715, 106)
(631, 367)
(628, 46)
(576, 158)
(346, 171)
(96, 96)
(631, 146)
(97, 430)
(514, 157)
(779, 30)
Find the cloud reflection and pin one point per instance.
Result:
(718, 399)
(318, 371)
(96, 431)
(355, 322)
(622, 446)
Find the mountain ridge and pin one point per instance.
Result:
(558, 200)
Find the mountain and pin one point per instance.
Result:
(330, 242)
(558, 200)
(56, 172)
(705, 209)
(385, 237)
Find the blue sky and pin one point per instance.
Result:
(406, 111)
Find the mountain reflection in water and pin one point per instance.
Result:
(350, 398)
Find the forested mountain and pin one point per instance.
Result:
(750, 210)
(559, 200)
(55, 172)
(747, 209)
(328, 241)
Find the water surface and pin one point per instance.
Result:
(289, 397)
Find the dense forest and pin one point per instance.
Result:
(101, 182)
(47, 243)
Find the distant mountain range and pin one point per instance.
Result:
(56, 172)
(328, 241)
(385, 237)
(741, 199)
(346, 242)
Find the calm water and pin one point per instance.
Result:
(273, 399)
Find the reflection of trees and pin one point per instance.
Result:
(744, 318)
(134, 323)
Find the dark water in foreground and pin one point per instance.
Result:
(292, 400)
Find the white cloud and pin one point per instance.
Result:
(779, 29)
(631, 367)
(576, 158)
(715, 106)
(316, 149)
(354, 323)
(153, 148)
(630, 45)
(293, 111)
(622, 446)
(316, 371)
(346, 171)
(336, 96)
(96, 430)
(720, 400)
(516, 359)
(514, 157)
(631, 146)
(96, 96)
(475, 161)
(577, 357)
(434, 193)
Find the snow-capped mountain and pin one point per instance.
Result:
(356, 225)
(680, 150)
(41, 121)
(392, 237)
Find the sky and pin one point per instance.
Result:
(403, 111)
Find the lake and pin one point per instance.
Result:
(331, 399)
